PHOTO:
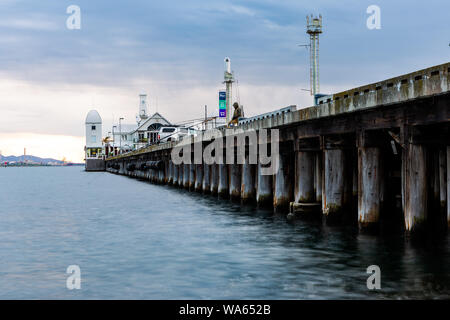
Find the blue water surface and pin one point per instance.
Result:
(135, 240)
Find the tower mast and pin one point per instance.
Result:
(314, 28)
(228, 80)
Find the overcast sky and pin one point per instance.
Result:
(173, 50)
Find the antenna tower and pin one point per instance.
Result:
(314, 28)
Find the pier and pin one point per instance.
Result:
(377, 156)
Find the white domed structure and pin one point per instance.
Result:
(93, 117)
(94, 146)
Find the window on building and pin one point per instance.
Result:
(93, 128)
(93, 138)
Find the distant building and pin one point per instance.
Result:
(94, 146)
(125, 137)
(145, 131)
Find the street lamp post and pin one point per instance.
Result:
(108, 145)
(114, 140)
(120, 132)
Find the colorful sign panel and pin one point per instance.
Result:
(222, 104)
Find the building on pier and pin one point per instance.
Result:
(134, 136)
(94, 146)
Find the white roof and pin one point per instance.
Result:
(93, 117)
(155, 118)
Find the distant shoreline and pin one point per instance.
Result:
(41, 165)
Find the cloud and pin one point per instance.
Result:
(242, 10)
(30, 23)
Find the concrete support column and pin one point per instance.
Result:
(235, 181)
(333, 193)
(175, 173)
(304, 177)
(248, 187)
(318, 176)
(214, 179)
(223, 181)
(416, 197)
(283, 193)
(264, 191)
(198, 177)
(206, 184)
(370, 180)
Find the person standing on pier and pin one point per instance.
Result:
(236, 115)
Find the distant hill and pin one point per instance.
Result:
(29, 158)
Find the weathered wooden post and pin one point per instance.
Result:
(304, 177)
(181, 175)
(147, 174)
(235, 181)
(152, 175)
(370, 180)
(161, 175)
(333, 193)
(170, 178)
(264, 191)
(175, 173)
(214, 179)
(192, 168)
(206, 184)
(416, 195)
(448, 185)
(223, 181)
(248, 188)
(186, 175)
(283, 193)
(198, 177)
(443, 182)
(166, 171)
(435, 175)
(318, 174)
(155, 175)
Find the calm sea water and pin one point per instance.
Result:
(135, 240)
